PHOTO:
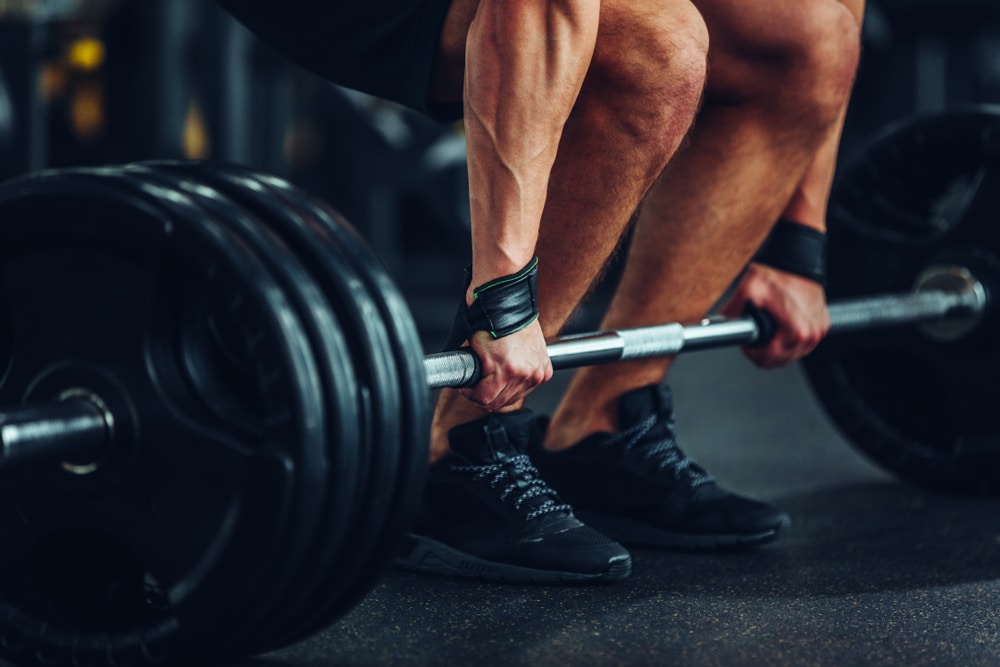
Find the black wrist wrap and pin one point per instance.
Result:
(501, 307)
(795, 248)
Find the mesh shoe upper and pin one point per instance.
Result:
(485, 498)
(639, 486)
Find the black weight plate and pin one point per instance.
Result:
(408, 360)
(927, 193)
(310, 463)
(296, 549)
(338, 564)
(348, 429)
(145, 558)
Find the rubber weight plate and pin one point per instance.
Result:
(147, 557)
(342, 560)
(310, 463)
(924, 194)
(297, 548)
(414, 416)
(354, 510)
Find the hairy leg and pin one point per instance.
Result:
(636, 104)
(779, 76)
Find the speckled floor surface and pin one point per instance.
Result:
(874, 572)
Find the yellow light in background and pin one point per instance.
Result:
(87, 112)
(86, 53)
(195, 142)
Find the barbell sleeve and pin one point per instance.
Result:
(73, 431)
(855, 315)
(952, 299)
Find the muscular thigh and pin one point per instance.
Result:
(750, 40)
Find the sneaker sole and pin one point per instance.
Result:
(430, 556)
(628, 532)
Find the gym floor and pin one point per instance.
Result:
(874, 573)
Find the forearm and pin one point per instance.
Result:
(525, 65)
(809, 203)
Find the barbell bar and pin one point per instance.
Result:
(77, 430)
(949, 293)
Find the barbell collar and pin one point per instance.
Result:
(961, 300)
(73, 432)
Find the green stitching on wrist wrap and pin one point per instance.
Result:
(501, 307)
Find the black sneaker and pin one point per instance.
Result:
(486, 514)
(639, 488)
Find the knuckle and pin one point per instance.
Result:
(799, 334)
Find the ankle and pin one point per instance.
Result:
(439, 444)
(451, 410)
(591, 403)
(565, 431)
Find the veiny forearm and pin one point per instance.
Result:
(809, 203)
(525, 64)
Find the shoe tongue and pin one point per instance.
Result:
(494, 437)
(639, 404)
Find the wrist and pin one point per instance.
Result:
(500, 307)
(795, 248)
(486, 270)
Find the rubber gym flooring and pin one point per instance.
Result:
(873, 573)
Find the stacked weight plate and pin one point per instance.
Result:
(392, 413)
(397, 409)
(105, 281)
(270, 415)
(918, 401)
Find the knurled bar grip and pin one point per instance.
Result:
(460, 368)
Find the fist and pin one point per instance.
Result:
(512, 366)
(798, 306)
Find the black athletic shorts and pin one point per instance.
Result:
(384, 48)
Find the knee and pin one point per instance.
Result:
(816, 59)
(800, 60)
(822, 57)
(650, 63)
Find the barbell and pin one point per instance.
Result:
(941, 293)
(218, 402)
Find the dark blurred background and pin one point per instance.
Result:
(86, 82)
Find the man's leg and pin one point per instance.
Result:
(779, 77)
